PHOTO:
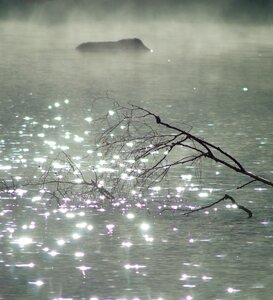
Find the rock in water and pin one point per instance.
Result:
(125, 45)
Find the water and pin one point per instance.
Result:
(223, 90)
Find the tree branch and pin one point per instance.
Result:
(225, 197)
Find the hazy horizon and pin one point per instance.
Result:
(55, 11)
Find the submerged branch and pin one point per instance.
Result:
(226, 197)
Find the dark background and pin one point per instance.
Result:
(237, 11)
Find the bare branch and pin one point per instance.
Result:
(140, 151)
(226, 197)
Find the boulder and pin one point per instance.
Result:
(125, 45)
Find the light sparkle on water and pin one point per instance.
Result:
(30, 265)
(81, 225)
(79, 254)
(84, 268)
(53, 253)
(76, 236)
(126, 244)
(61, 242)
(130, 216)
(88, 119)
(24, 241)
(231, 290)
(70, 215)
(144, 226)
(37, 283)
(135, 266)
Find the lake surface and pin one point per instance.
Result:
(220, 82)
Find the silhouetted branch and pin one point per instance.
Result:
(155, 147)
(63, 181)
(138, 152)
(226, 197)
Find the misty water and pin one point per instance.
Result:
(217, 80)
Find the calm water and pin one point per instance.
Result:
(223, 89)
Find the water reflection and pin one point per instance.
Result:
(92, 249)
(98, 257)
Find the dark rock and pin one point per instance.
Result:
(126, 45)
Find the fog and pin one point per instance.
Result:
(39, 38)
(239, 11)
(158, 22)
(179, 34)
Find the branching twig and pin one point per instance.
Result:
(140, 150)
(163, 147)
(226, 197)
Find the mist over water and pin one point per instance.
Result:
(213, 75)
(56, 11)
(190, 63)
